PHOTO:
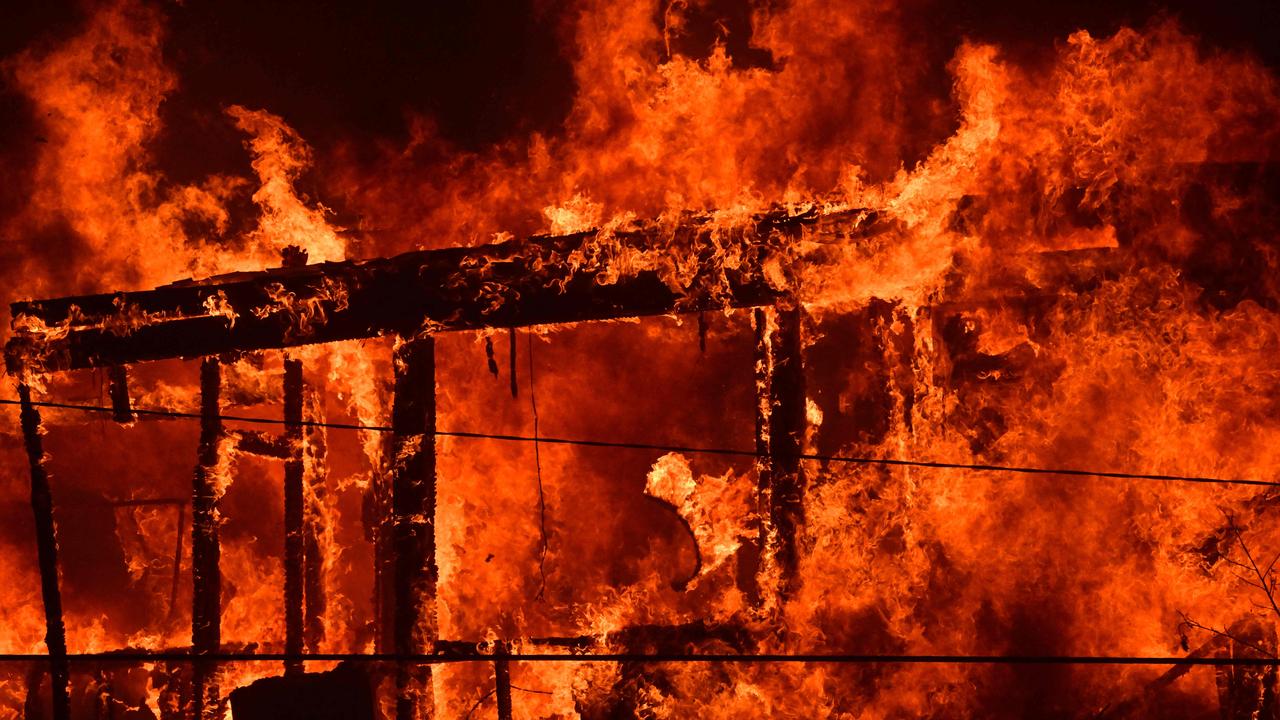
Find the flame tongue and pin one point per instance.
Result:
(717, 510)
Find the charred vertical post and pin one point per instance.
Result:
(749, 557)
(293, 517)
(55, 638)
(780, 423)
(786, 440)
(315, 471)
(118, 389)
(380, 519)
(502, 680)
(413, 509)
(511, 356)
(206, 578)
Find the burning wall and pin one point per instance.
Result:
(1068, 263)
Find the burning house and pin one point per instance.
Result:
(778, 378)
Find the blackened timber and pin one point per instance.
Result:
(293, 516)
(206, 577)
(315, 469)
(511, 355)
(118, 389)
(749, 556)
(540, 280)
(55, 638)
(33, 707)
(502, 680)
(379, 528)
(262, 444)
(413, 509)
(786, 422)
(629, 639)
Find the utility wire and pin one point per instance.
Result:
(430, 658)
(543, 439)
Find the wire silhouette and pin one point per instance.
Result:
(691, 449)
(835, 658)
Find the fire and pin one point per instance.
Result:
(1012, 283)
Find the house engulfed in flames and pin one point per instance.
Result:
(994, 436)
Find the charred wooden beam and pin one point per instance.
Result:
(751, 554)
(639, 639)
(413, 509)
(55, 638)
(786, 438)
(780, 427)
(594, 275)
(293, 515)
(315, 467)
(511, 364)
(379, 526)
(343, 693)
(256, 442)
(118, 389)
(32, 707)
(502, 680)
(206, 577)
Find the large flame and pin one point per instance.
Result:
(1071, 265)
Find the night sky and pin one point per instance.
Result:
(486, 70)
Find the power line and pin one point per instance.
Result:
(462, 657)
(977, 467)
(720, 658)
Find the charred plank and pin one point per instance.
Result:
(293, 516)
(255, 442)
(118, 389)
(413, 509)
(786, 437)
(55, 637)
(315, 470)
(686, 268)
(502, 681)
(206, 577)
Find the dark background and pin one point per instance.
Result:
(487, 70)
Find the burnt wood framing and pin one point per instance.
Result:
(784, 486)
(779, 426)
(293, 515)
(502, 681)
(206, 577)
(118, 389)
(315, 472)
(55, 637)
(688, 266)
(413, 512)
